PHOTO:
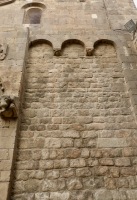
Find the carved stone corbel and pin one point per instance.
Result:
(57, 52)
(8, 106)
(3, 51)
(89, 51)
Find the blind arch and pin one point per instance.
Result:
(32, 16)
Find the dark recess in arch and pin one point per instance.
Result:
(72, 41)
(102, 42)
(33, 16)
(105, 41)
(40, 41)
(33, 12)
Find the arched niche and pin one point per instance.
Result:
(40, 48)
(73, 48)
(103, 48)
(32, 16)
(33, 13)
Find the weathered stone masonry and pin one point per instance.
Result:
(68, 102)
(76, 126)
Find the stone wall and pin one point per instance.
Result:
(91, 14)
(77, 138)
(77, 127)
(11, 73)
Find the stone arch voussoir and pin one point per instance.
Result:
(34, 41)
(34, 4)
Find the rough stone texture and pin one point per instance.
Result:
(11, 73)
(76, 131)
(65, 110)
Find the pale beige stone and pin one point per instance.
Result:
(59, 195)
(78, 105)
(112, 142)
(4, 190)
(74, 184)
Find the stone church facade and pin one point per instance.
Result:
(68, 100)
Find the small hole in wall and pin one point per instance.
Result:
(33, 16)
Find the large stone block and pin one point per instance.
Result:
(4, 190)
(74, 184)
(42, 196)
(59, 196)
(32, 185)
(49, 185)
(111, 142)
(119, 162)
(132, 194)
(52, 143)
(5, 165)
(7, 142)
(103, 194)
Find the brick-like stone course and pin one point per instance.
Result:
(74, 134)
(77, 136)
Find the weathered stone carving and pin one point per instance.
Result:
(57, 52)
(3, 2)
(89, 51)
(8, 106)
(3, 51)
